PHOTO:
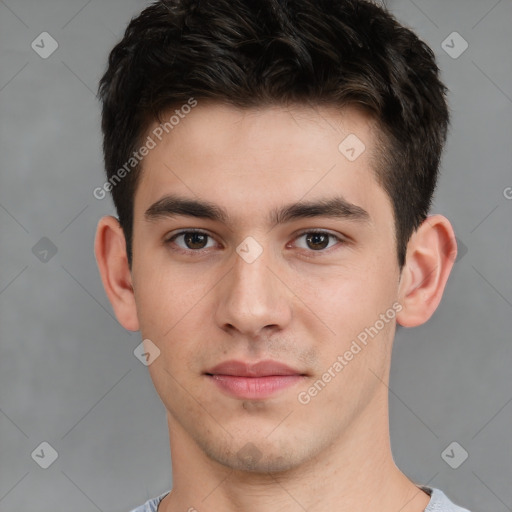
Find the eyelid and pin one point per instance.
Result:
(182, 231)
(319, 230)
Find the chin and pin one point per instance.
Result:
(257, 456)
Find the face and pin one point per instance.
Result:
(249, 276)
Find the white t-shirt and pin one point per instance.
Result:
(439, 502)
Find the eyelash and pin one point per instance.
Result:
(193, 252)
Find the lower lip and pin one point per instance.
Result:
(254, 387)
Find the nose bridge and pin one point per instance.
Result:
(252, 299)
(251, 283)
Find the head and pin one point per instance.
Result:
(250, 54)
(263, 121)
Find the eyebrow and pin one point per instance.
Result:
(336, 207)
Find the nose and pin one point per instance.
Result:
(253, 299)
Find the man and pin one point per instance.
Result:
(272, 164)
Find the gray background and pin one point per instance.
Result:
(68, 374)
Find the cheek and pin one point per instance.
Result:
(172, 306)
(164, 295)
(349, 301)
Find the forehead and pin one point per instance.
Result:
(211, 126)
(254, 157)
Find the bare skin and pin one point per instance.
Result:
(299, 302)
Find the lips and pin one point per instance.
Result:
(253, 381)
(265, 368)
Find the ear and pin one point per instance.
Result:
(110, 251)
(431, 252)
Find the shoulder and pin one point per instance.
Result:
(439, 501)
(152, 504)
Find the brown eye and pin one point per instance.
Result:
(192, 241)
(195, 240)
(317, 241)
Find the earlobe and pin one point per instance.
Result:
(110, 251)
(431, 253)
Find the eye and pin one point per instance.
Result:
(195, 241)
(318, 240)
(192, 240)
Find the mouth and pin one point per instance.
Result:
(254, 381)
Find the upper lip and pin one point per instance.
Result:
(260, 369)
